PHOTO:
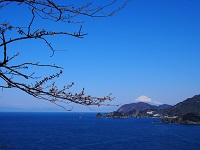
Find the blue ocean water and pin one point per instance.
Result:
(83, 131)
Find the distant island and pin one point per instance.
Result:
(185, 112)
(99, 115)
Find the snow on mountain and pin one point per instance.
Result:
(146, 99)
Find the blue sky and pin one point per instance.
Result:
(151, 48)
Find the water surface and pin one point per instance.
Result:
(83, 131)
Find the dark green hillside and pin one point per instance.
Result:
(190, 105)
(164, 106)
(188, 118)
(128, 108)
(191, 117)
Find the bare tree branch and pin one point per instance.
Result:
(17, 76)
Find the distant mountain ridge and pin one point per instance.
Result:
(164, 106)
(142, 109)
(129, 108)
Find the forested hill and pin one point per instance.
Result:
(190, 105)
(129, 108)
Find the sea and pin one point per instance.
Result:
(83, 131)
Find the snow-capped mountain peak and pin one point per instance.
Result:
(146, 99)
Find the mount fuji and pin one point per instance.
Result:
(148, 100)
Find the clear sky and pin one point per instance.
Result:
(151, 48)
